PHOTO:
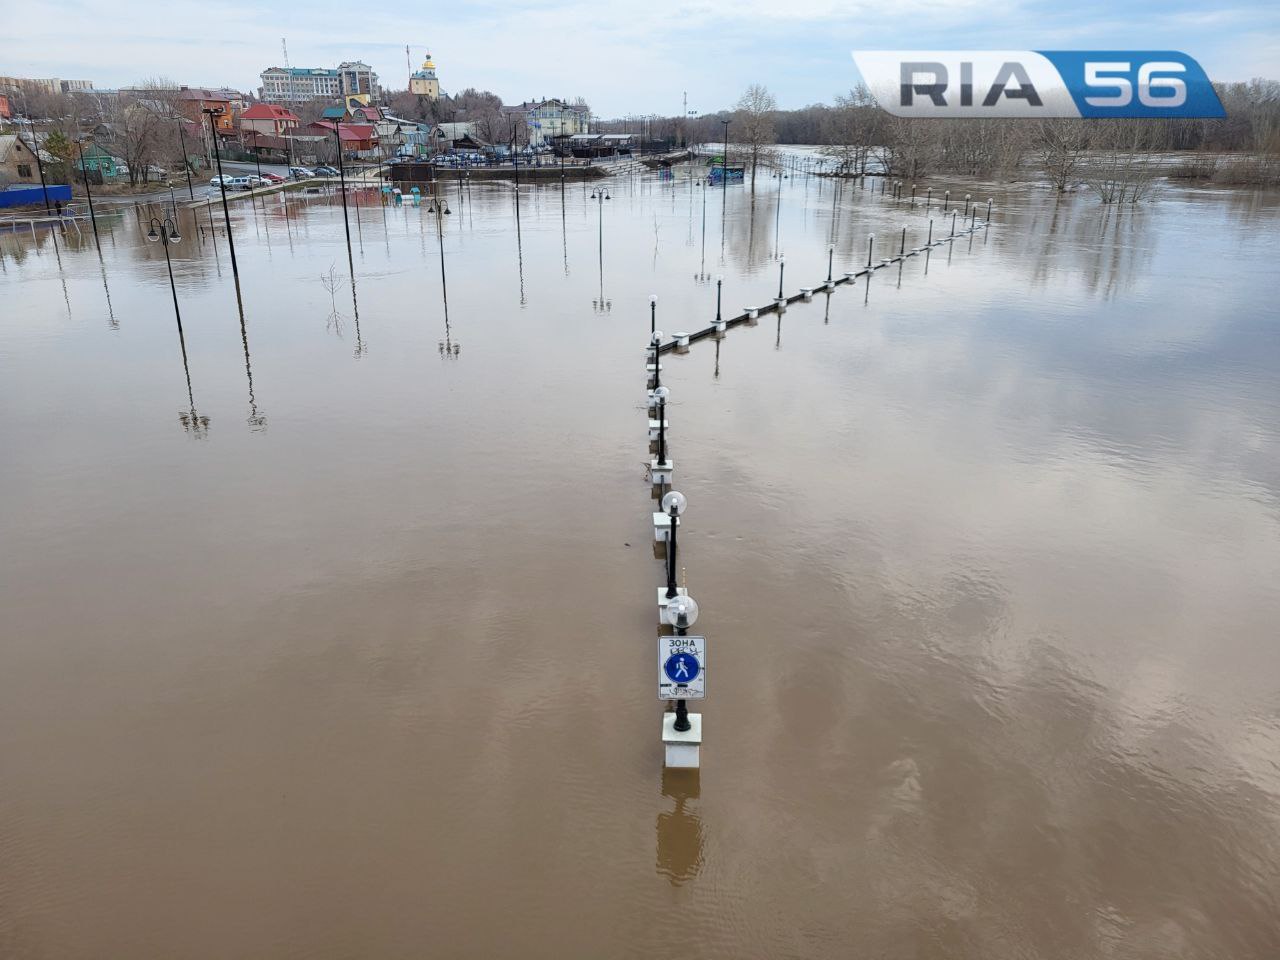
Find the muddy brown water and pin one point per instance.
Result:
(349, 651)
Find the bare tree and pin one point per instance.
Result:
(1060, 147)
(484, 109)
(1121, 169)
(755, 110)
(850, 129)
(909, 147)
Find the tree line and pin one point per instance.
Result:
(1115, 157)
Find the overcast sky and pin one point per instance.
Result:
(623, 57)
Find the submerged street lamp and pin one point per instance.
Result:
(168, 233)
(660, 394)
(719, 285)
(88, 193)
(212, 112)
(673, 505)
(342, 179)
(782, 266)
(599, 196)
(186, 161)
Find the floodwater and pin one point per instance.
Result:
(340, 641)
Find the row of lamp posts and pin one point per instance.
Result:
(677, 610)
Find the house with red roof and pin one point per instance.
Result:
(356, 138)
(269, 119)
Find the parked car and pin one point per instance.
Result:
(325, 172)
(300, 173)
(239, 183)
(271, 178)
(218, 181)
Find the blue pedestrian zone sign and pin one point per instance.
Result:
(682, 668)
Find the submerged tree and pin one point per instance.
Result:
(755, 110)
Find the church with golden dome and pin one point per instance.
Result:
(423, 82)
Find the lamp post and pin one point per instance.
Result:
(186, 163)
(673, 504)
(342, 180)
(782, 266)
(660, 394)
(599, 196)
(682, 613)
(192, 422)
(168, 234)
(433, 206)
(777, 214)
(831, 256)
(719, 285)
(966, 204)
(724, 164)
(653, 319)
(212, 112)
(35, 149)
(871, 245)
(88, 193)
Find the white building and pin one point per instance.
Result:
(359, 77)
(546, 119)
(299, 84)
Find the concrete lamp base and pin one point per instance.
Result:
(751, 312)
(807, 293)
(655, 425)
(780, 304)
(661, 524)
(661, 472)
(682, 749)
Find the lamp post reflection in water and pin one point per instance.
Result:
(680, 832)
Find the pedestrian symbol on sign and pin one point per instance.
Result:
(682, 668)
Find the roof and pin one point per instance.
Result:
(334, 113)
(198, 93)
(349, 131)
(547, 102)
(267, 111)
(7, 143)
(303, 71)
